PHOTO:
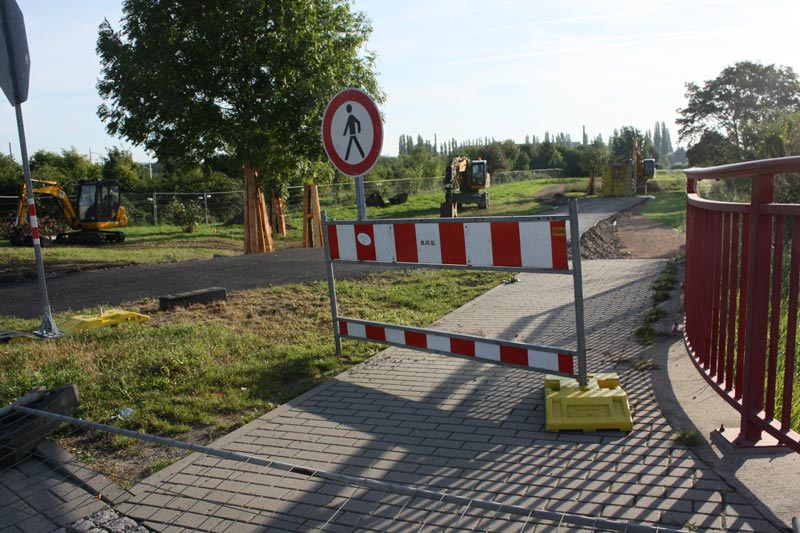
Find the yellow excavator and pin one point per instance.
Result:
(98, 210)
(463, 180)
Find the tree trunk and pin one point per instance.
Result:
(278, 214)
(312, 217)
(257, 231)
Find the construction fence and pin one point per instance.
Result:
(227, 206)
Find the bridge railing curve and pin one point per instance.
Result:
(741, 298)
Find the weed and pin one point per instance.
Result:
(646, 335)
(643, 365)
(654, 315)
(158, 465)
(687, 437)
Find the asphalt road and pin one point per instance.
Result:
(115, 286)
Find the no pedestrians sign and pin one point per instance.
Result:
(352, 133)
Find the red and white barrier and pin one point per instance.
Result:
(493, 350)
(526, 244)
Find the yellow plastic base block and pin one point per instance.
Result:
(106, 318)
(602, 404)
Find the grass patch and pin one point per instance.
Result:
(643, 365)
(646, 335)
(654, 315)
(669, 207)
(219, 366)
(687, 437)
(664, 283)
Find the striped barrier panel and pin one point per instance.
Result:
(543, 358)
(519, 244)
(530, 244)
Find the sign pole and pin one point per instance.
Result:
(361, 201)
(15, 85)
(48, 328)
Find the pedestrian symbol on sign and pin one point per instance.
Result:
(352, 128)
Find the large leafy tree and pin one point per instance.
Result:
(193, 79)
(742, 96)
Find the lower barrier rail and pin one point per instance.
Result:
(516, 244)
(741, 298)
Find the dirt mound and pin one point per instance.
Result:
(602, 241)
(629, 235)
(553, 195)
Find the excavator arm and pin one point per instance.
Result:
(48, 188)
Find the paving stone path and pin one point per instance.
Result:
(463, 427)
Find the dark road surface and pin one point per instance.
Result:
(115, 286)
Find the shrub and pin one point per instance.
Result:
(185, 215)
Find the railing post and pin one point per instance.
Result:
(757, 309)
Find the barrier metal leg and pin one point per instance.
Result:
(580, 328)
(331, 285)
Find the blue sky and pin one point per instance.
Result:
(460, 69)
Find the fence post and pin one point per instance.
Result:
(155, 209)
(757, 308)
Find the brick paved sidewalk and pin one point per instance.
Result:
(464, 427)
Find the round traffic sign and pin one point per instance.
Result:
(352, 133)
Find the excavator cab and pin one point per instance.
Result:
(98, 201)
(478, 175)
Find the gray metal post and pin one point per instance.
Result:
(577, 283)
(205, 203)
(155, 209)
(48, 328)
(331, 285)
(361, 201)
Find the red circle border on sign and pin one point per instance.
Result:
(353, 95)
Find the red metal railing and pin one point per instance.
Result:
(741, 297)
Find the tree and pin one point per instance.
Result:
(593, 158)
(496, 158)
(657, 142)
(11, 178)
(622, 144)
(743, 95)
(189, 79)
(678, 157)
(712, 149)
(68, 168)
(119, 165)
(666, 143)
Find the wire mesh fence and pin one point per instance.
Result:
(230, 490)
(227, 206)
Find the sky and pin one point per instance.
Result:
(500, 69)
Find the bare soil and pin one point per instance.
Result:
(629, 235)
